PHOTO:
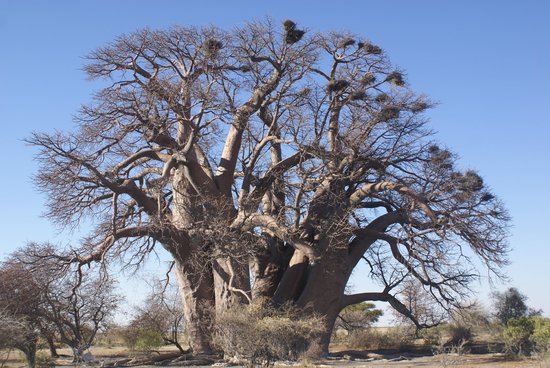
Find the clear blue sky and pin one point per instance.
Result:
(486, 62)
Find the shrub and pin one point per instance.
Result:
(147, 340)
(261, 335)
(459, 334)
(541, 334)
(517, 335)
(372, 338)
(357, 316)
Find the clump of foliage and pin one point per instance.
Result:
(358, 316)
(541, 334)
(509, 304)
(459, 334)
(517, 335)
(527, 335)
(148, 340)
(259, 335)
(524, 331)
(137, 338)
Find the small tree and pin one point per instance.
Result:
(516, 335)
(17, 333)
(419, 308)
(70, 305)
(358, 316)
(162, 315)
(78, 312)
(19, 306)
(511, 304)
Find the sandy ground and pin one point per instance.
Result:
(356, 361)
(449, 360)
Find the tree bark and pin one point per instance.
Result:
(29, 350)
(51, 346)
(194, 274)
(293, 280)
(231, 283)
(323, 293)
(30, 356)
(78, 351)
(197, 292)
(268, 268)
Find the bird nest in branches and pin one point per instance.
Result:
(369, 48)
(345, 42)
(368, 78)
(396, 78)
(337, 85)
(292, 34)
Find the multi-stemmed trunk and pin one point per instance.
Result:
(207, 284)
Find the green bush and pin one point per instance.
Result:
(541, 334)
(517, 335)
(147, 340)
(526, 335)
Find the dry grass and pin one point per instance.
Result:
(15, 359)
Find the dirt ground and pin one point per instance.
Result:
(353, 359)
(445, 360)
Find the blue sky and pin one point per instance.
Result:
(485, 62)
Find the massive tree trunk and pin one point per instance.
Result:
(197, 290)
(324, 291)
(193, 269)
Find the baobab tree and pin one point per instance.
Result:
(270, 152)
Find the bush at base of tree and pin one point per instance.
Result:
(260, 335)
